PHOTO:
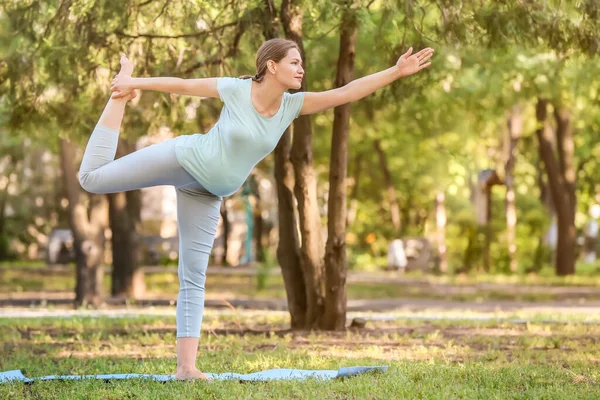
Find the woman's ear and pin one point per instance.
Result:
(272, 66)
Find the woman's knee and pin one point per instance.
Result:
(193, 271)
(89, 183)
(194, 279)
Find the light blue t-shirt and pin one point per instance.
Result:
(223, 158)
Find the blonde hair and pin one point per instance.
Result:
(274, 49)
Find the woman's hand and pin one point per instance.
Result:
(410, 64)
(122, 86)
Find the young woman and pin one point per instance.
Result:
(204, 168)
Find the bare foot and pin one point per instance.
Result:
(127, 70)
(126, 65)
(184, 374)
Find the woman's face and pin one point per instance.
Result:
(289, 71)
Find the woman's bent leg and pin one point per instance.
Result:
(154, 165)
(112, 116)
(102, 146)
(198, 213)
(151, 166)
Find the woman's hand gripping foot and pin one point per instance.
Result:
(122, 85)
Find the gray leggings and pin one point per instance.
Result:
(198, 211)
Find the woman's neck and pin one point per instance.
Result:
(267, 96)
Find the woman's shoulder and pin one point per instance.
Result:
(229, 81)
(228, 87)
(293, 103)
(293, 96)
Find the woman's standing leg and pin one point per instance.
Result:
(198, 213)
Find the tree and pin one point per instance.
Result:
(305, 186)
(561, 179)
(127, 278)
(88, 232)
(288, 247)
(335, 252)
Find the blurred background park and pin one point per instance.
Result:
(472, 185)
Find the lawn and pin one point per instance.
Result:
(437, 360)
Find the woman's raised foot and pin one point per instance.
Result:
(126, 66)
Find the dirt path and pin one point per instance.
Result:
(65, 300)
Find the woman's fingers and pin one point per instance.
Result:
(424, 54)
(118, 94)
(426, 57)
(114, 85)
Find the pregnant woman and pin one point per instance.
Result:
(204, 168)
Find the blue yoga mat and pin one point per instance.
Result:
(268, 375)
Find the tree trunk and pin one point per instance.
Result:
(566, 154)
(567, 232)
(486, 179)
(288, 248)
(226, 230)
(406, 210)
(561, 180)
(335, 253)
(515, 128)
(88, 232)
(6, 175)
(124, 217)
(547, 238)
(4, 245)
(3, 242)
(353, 209)
(305, 187)
(389, 184)
(259, 255)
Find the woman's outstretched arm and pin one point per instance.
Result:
(124, 84)
(202, 87)
(357, 89)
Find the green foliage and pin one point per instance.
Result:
(437, 128)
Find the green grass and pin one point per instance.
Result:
(25, 264)
(444, 360)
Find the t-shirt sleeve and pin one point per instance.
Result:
(227, 88)
(294, 104)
